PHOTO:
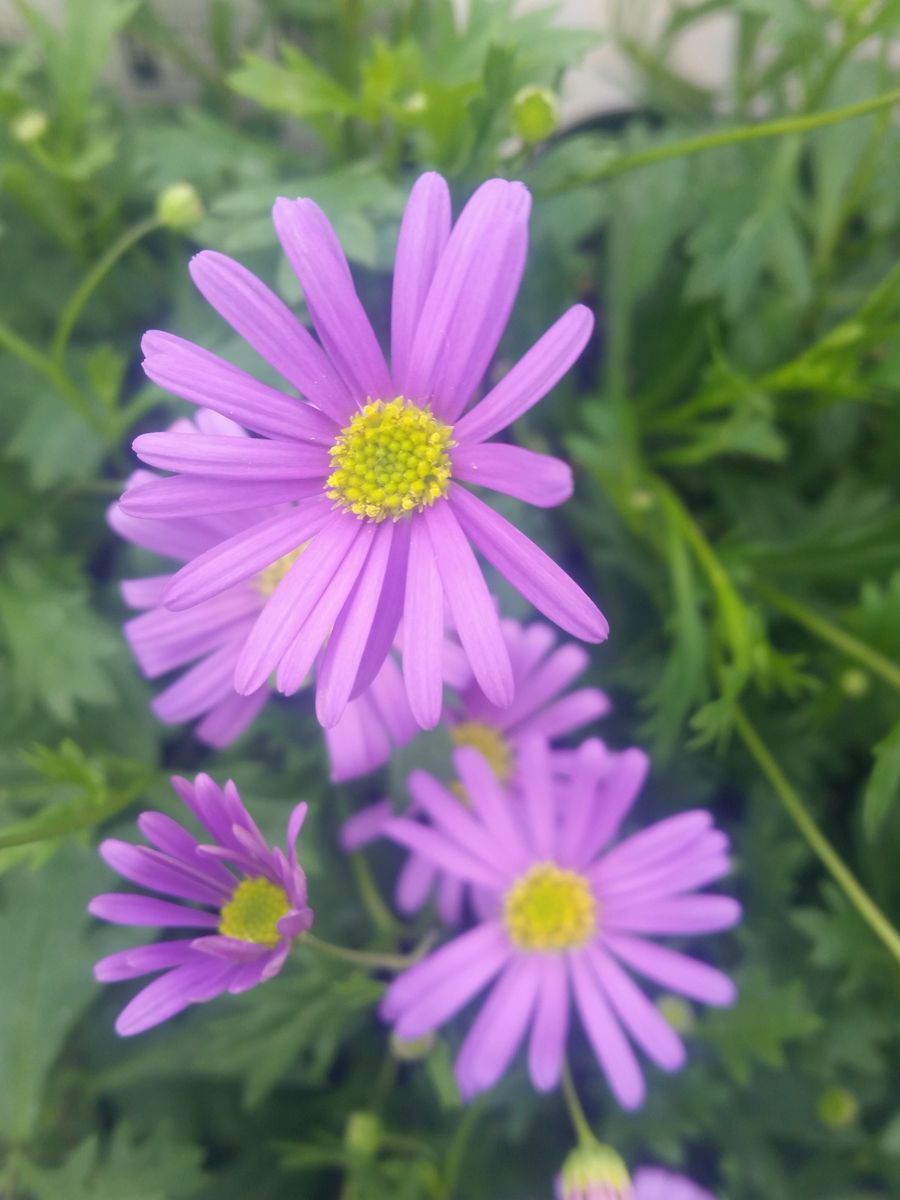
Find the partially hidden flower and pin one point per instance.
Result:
(565, 917)
(595, 1172)
(375, 464)
(248, 901)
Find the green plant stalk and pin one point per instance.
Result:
(818, 843)
(39, 362)
(381, 916)
(457, 1149)
(95, 276)
(864, 654)
(371, 960)
(576, 1109)
(779, 127)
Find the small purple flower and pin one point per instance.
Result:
(374, 463)
(250, 913)
(563, 915)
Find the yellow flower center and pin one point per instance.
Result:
(489, 742)
(550, 909)
(268, 579)
(253, 912)
(391, 459)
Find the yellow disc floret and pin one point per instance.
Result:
(550, 909)
(390, 460)
(268, 579)
(489, 742)
(253, 912)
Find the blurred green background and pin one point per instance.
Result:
(735, 429)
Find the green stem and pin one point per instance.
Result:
(842, 875)
(779, 127)
(371, 960)
(877, 663)
(379, 913)
(92, 279)
(55, 375)
(457, 1150)
(575, 1107)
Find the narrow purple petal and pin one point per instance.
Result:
(177, 539)
(567, 715)
(230, 949)
(203, 378)
(142, 960)
(470, 298)
(545, 681)
(199, 689)
(679, 915)
(471, 605)
(154, 870)
(550, 1026)
(248, 459)
(536, 783)
(366, 825)
(314, 252)
(146, 592)
(172, 993)
(161, 640)
(673, 970)
(652, 1183)
(130, 908)
(537, 479)
(271, 329)
(173, 496)
(447, 855)
(499, 1028)
(491, 803)
(438, 1005)
(454, 822)
(643, 1021)
(530, 379)
(426, 977)
(414, 884)
(357, 743)
(612, 802)
(654, 844)
(173, 839)
(386, 621)
(591, 761)
(423, 630)
(605, 1035)
(528, 569)
(227, 721)
(245, 554)
(423, 236)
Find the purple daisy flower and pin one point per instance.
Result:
(567, 915)
(249, 918)
(375, 462)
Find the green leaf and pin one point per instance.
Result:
(298, 88)
(46, 980)
(55, 443)
(883, 786)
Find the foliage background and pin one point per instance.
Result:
(735, 429)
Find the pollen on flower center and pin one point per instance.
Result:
(489, 742)
(391, 459)
(549, 908)
(253, 912)
(268, 579)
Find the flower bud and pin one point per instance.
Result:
(677, 1012)
(362, 1134)
(29, 126)
(535, 113)
(837, 1107)
(179, 207)
(854, 683)
(412, 1050)
(594, 1172)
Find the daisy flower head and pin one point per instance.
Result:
(374, 463)
(565, 917)
(247, 900)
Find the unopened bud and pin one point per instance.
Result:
(837, 1107)
(535, 113)
(855, 683)
(677, 1012)
(412, 1050)
(362, 1134)
(594, 1170)
(179, 207)
(29, 126)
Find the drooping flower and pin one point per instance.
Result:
(374, 463)
(249, 911)
(564, 915)
(596, 1172)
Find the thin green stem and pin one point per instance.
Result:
(575, 1107)
(864, 654)
(371, 960)
(840, 872)
(39, 362)
(76, 302)
(379, 913)
(778, 127)
(457, 1151)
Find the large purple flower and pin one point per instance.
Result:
(249, 918)
(374, 462)
(567, 916)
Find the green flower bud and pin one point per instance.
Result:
(179, 207)
(413, 1050)
(362, 1134)
(855, 683)
(535, 113)
(29, 126)
(838, 1108)
(677, 1012)
(591, 1168)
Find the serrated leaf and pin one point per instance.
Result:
(298, 88)
(883, 786)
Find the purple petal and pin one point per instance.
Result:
(271, 329)
(244, 555)
(295, 597)
(423, 236)
(427, 976)
(340, 663)
(540, 796)
(129, 908)
(605, 1035)
(528, 569)
(452, 820)
(390, 608)
(470, 298)
(499, 1028)
(161, 640)
(471, 605)
(492, 805)
(530, 379)
(172, 993)
(146, 592)
(611, 803)
(654, 844)
(142, 960)
(567, 715)
(647, 1026)
(451, 898)
(314, 252)
(154, 870)
(227, 721)
(248, 459)
(387, 697)
(544, 681)
(199, 689)
(203, 378)
(366, 825)
(550, 1026)
(230, 949)
(445, 854)
(414, 884)
(174, 840)
(439, 1004)
(535, 478)
(652, 1183)
(358, 743)
(423, 630)
(173, 496)
(679, 915)
(591, 761)
(672, 970)
(180, 540)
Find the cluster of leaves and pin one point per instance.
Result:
(734, 427)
